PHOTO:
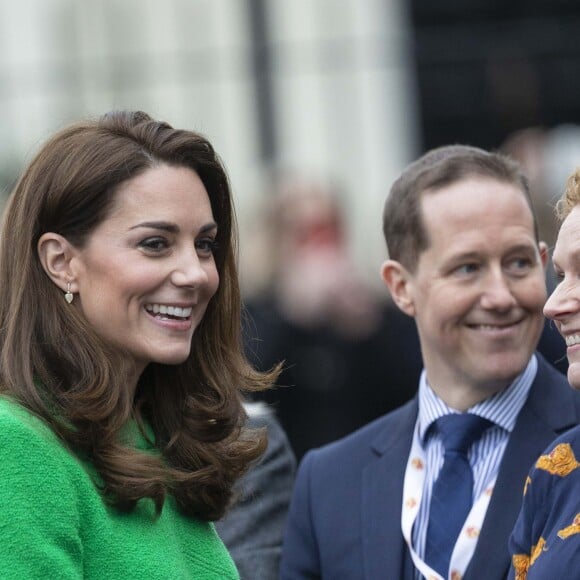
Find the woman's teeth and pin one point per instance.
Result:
(175, 311)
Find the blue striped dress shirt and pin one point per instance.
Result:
(485, 456)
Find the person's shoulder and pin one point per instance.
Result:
(546, 370)
(549, 377)
(569, 444)
(556, 473)
(260, 414)
(332, 473)
(552, 395)
(559, 460)
(28, 440)
(16, 419)
(358, 446)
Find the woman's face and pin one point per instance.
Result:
(147, 273)
(563, 306)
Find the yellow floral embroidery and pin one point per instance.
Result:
(521, 564)
(561, 461)
(537, 550)
(528, 481)
(573, 528)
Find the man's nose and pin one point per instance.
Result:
(497, 293)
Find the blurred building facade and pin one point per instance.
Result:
(487, 68)
(321, 86)
(348, 90)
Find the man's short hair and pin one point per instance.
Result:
(403, 226)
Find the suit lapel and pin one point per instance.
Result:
(548, 411)
(384, 548)
(491, 553)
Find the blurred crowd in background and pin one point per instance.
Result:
(315, 108)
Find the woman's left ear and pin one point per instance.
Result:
(55, 253)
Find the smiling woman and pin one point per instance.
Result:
(121, 373)
(147, 272)
(546, 538)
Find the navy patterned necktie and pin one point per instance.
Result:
(452, 495)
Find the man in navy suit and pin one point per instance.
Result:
(466, 263)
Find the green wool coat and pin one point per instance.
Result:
(55, 524)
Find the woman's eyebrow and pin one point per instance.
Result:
(171, 227)
(165, 226)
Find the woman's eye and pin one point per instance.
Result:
(206, 246)
(155, 244)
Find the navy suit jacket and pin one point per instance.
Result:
(345, 516)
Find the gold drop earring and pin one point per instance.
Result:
(68, 296)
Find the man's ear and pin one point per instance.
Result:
(55, 253)
(398, 280)
(544, 254)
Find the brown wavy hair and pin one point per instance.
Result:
(52, 361)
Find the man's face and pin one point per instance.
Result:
(478, 290)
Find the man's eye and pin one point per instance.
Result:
(466, 269)
(519, 265)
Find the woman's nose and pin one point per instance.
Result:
(564, 301)
(189, 271)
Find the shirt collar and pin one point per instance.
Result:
(502, 408)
